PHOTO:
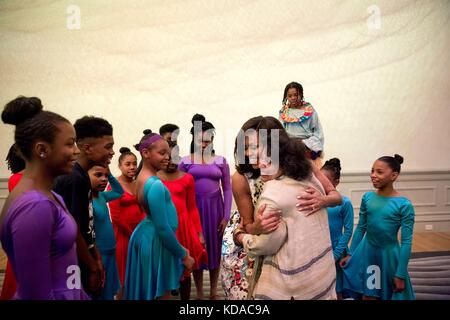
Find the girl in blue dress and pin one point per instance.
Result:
(104, 232)
(156, 260)
(340, 219)
(377, 266)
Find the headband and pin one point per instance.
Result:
(148, 142)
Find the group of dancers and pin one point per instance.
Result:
(71, 230)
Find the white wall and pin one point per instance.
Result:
(140, 64)
(428, 191)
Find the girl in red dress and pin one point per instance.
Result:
(126, 212)
(189, 232)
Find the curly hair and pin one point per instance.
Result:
(293, 160)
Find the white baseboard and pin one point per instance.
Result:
(429, 192)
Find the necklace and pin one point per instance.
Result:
(306, 114)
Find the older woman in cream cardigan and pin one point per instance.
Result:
(298, 258)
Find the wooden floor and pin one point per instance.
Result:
(422, 242)
(431, 241)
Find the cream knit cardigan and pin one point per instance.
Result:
(298, 262)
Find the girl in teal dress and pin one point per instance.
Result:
(377, 266)
(104, 232)
(340, 219)
(156, 260)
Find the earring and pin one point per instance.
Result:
(42, 155)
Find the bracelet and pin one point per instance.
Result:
(237, 232)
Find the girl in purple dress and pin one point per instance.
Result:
(36, 230)
(213, 195)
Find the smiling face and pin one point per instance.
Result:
(62, 153)
(99, 178)
(257, 155)
(251, 149)
(99, 150)
(257, 152)
(382, 175)
(128, 166)
(158, 154)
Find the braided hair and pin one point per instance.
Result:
(14, 161)
(296, 86)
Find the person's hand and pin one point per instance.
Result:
(399, 284)
(94, 280)
(102, 272)
(222, 226)
(267, 223)
(188, 261)
(343, 262)
(202, 239)
(119, 295)
(310, 202)
(238, 231)
(240, 238)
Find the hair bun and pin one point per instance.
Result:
(147, 131)
(136, 146)
(21, 109)
(334, 162)
(399, 158)
(198, 117)
(124, 150)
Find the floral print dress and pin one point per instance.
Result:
(236, 269)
